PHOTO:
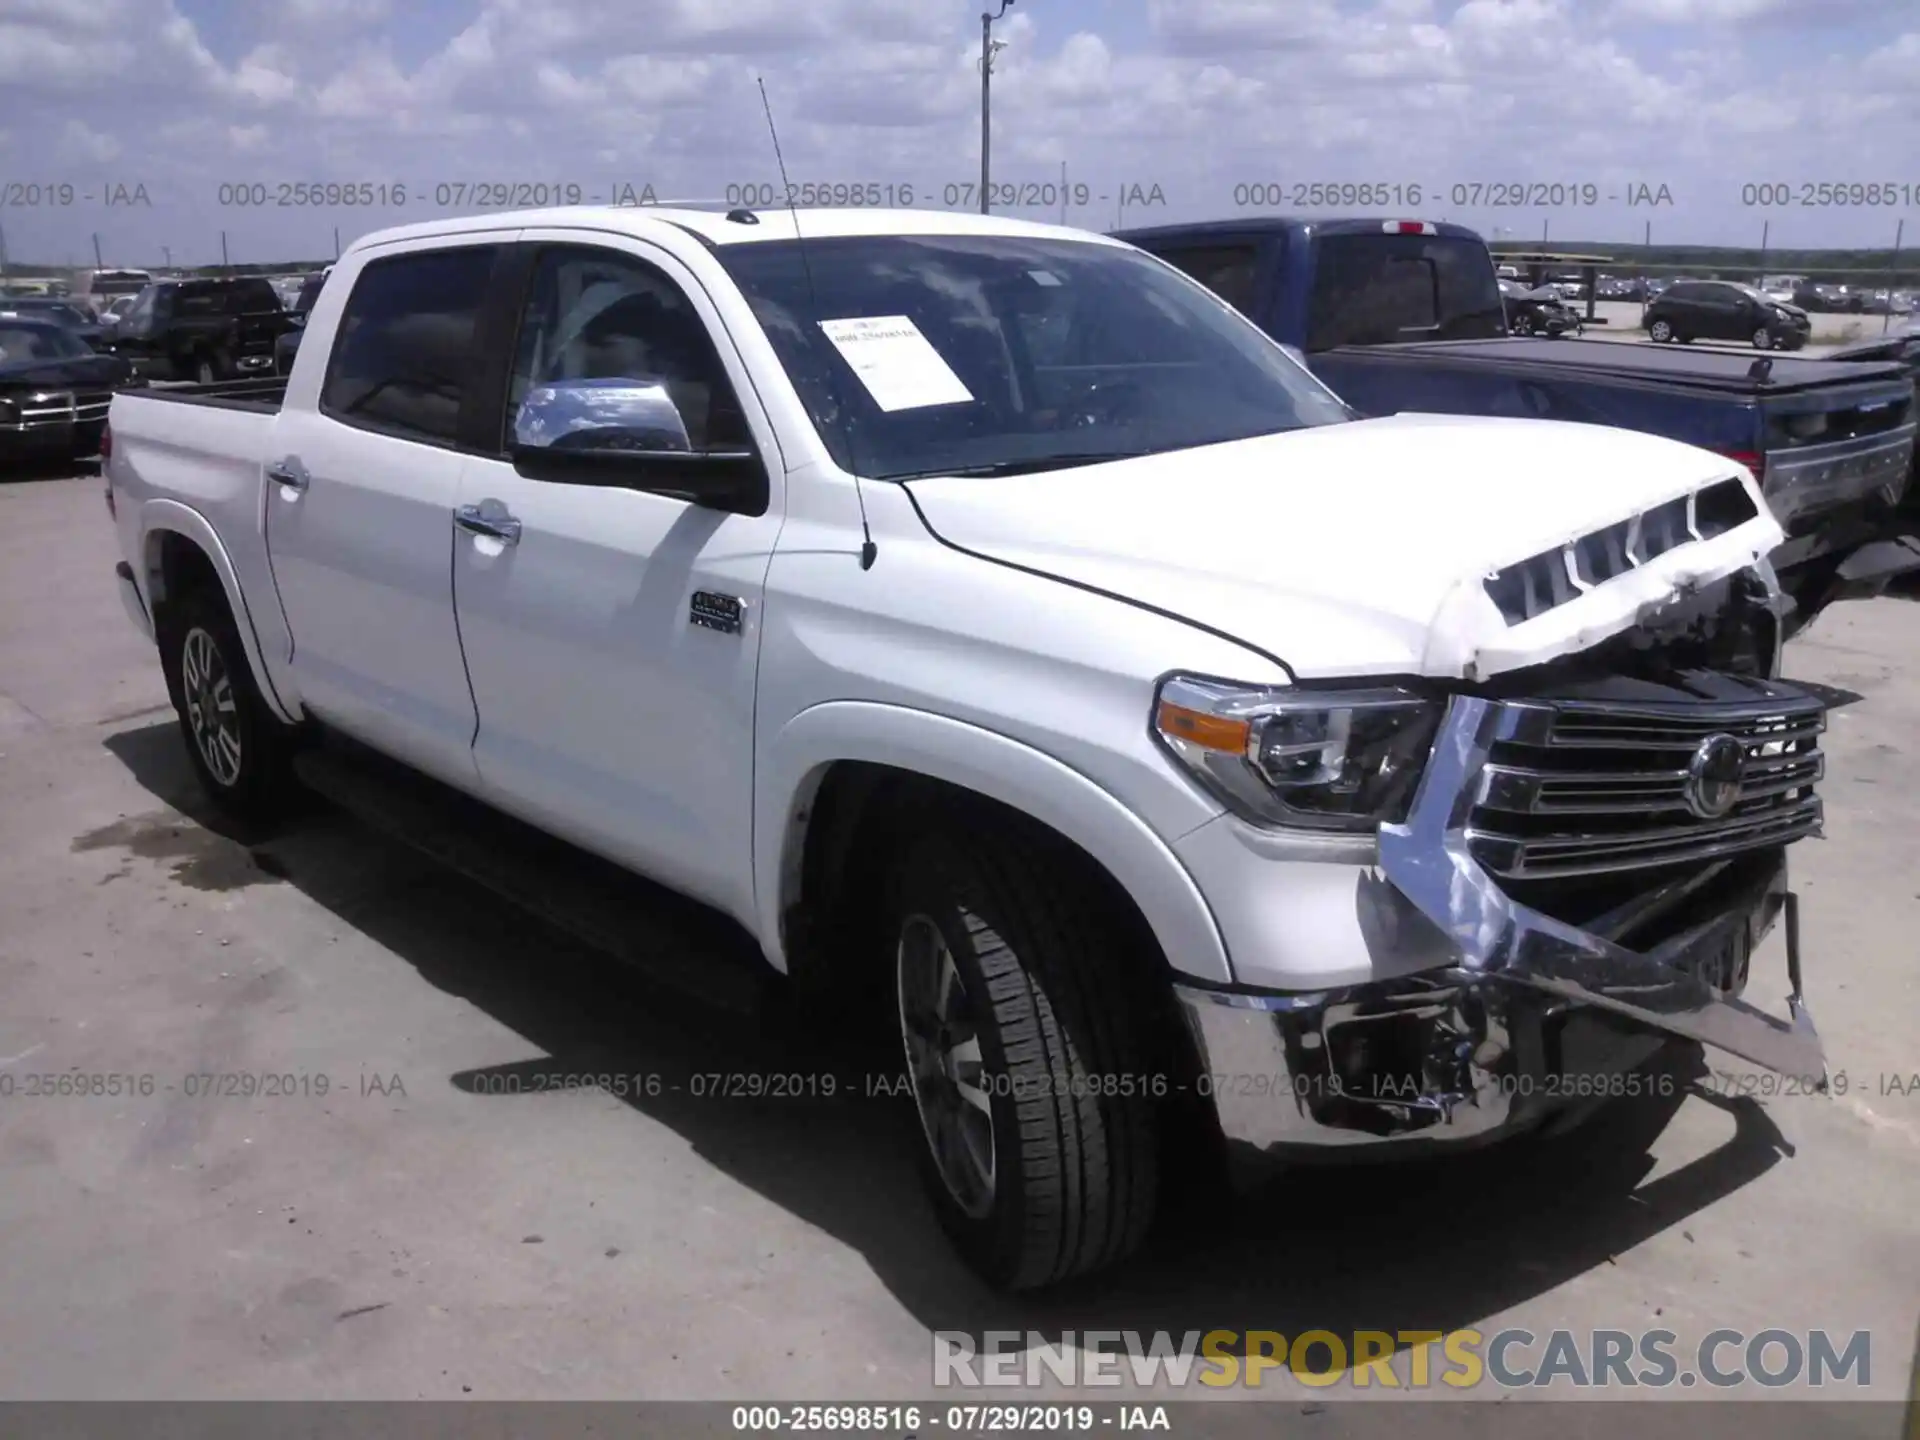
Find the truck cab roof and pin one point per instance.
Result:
(1294, 224)
(715, 227)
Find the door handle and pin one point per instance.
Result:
(289, 472)
(490, 519)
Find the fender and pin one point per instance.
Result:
(792, 762)
(184, 520)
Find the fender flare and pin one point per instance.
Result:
(190, 524)
(794, 760)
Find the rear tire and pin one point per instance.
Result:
(242, 753)
(1027, 1036)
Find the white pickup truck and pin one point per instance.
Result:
(1003, 630)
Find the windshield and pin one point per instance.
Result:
(37, 342)
(930, 355)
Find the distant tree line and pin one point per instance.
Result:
(1718, 262)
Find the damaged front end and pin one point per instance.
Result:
(1597, 847)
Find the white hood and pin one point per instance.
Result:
(1360, 548)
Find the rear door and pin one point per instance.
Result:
(360, 527)
(612, 634)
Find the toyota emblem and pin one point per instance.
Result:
(1713, 776)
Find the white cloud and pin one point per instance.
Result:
(81, 144)
(1194, 95)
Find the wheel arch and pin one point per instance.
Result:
(823, 773)
(180, 550)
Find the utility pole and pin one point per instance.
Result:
(226, 266)
(1893, 270)
(987, 46)
(98, 263)
(3, 254)
(167, 250)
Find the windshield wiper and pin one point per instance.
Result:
(1033, 465)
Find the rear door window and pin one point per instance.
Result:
(404, 359)
(1227, 270)
(1381, 289)
(251, 297)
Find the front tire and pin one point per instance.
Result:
(1763, 339)
(1026, 1035)
(241, 752)
(1660, 332)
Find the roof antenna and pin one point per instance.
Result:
(869, 552)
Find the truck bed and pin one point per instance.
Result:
(1669, 366)
(263, 394)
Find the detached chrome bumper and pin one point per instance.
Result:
(1532, 1014)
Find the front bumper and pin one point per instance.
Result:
(1526, 1014)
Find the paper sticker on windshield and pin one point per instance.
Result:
(1044, 277)
(897, 364)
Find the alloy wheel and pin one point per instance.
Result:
(939, 1027)
(212, 713)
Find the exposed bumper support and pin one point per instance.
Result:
(1455, 1053)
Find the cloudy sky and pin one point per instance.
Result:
(157, 124)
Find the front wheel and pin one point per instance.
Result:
(241, 752)
(1660, 331)
(1763, 339)
(1025, 1035)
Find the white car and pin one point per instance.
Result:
(1005, 632)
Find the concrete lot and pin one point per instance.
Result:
(422, 1237)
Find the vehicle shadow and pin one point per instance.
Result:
(1418, 1245)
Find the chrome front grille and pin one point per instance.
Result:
(63, 407)
(1579, 788)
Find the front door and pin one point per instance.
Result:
(612, 634)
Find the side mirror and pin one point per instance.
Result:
(629, 432)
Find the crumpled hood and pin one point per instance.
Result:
(1361, 548)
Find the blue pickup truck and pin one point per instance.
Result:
(1407, 315)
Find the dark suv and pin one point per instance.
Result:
(1724, 310)
(202, 330)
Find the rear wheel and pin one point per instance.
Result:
(1025, 1033)
(241, 752)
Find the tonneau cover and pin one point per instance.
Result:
(1666, 365)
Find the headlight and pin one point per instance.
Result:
(1322, 759)
(9, 412)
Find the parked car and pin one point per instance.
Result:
(289, 341)
(1726, 310)
(54, 391)
(97, 287)
(1208, 778)
(1407, 316)
(1901, 348)
(204, 330)
(76, 321)
(1537, 311)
